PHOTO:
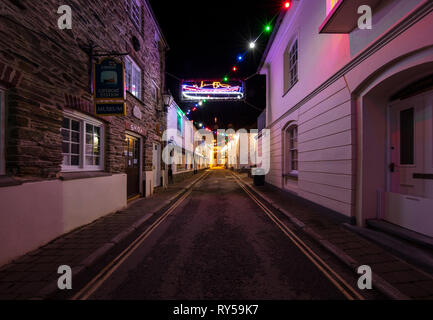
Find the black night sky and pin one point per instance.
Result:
(205, 38)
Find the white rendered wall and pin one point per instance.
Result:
(327, 118)
(33, 214)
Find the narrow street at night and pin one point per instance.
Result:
(216, 159)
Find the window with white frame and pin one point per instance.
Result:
(82, 146)
(132, 77)
(2, 130)
(291, 66)
(135, 12)
(292, 150)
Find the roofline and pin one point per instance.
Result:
(149, 8)
(272, 39)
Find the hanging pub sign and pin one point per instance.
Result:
(110, 108)
(109, 88)
(196, 90)
(109, 80)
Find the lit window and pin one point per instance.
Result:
(2, 131)
(291, 66)
(134, 10)
(179, 124)
(330, 4)
(82, 146)
(132, 78)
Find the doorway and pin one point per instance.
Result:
(132, 165)
(409, 200)
(156, 165)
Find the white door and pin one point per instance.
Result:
(409, 200)
(157, 164)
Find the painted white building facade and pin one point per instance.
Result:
(181, 133)
(350, 110)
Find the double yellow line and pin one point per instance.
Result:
(108, 270)
(347, 290)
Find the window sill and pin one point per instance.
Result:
(69, 176)
(291, 175)
(136, 98)
(290, 88)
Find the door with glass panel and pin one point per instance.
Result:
(409, 200)
(132, 165)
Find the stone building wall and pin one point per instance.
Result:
(45, 71)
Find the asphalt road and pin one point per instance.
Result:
(217, 245)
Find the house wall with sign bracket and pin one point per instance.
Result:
(53, 181)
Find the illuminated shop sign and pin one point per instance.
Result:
(195, 90)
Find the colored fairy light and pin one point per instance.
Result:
(235, 69)
(287, 4)
(200, 103)
(252, 45)
(195, 109)
(204, 101)
(268, 28)
(240, 58)
(226, 79)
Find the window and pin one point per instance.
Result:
(82, 146)
(134, 10)
(2, 131)
(132, 78)
(407, 137)
(155, 93)
(179, 124)
(291, 153)
(330, 4)
(291, 66)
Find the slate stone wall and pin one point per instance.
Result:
(46, 70)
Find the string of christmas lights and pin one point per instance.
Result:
(267, 29)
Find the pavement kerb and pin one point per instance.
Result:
(51, 288)
(379, 283)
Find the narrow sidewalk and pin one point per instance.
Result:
(394, 277)
(34, 275)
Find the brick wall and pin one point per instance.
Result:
(46, 71)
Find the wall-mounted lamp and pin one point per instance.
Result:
(168, 100)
